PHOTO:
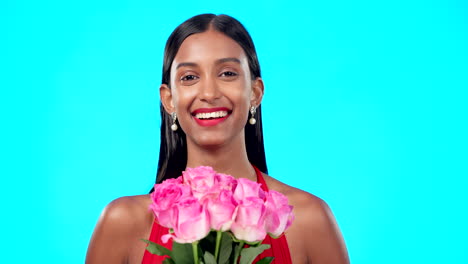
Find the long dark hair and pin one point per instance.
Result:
(173, 149)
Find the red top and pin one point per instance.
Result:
(279, 247)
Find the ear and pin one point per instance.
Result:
(257, 92)
(166, 98)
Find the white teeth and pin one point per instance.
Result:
(217, 114)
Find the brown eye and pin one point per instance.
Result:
(189, 77)
(228, 74)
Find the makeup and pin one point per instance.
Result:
(211, 116)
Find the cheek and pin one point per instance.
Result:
(240, 98)
(247, 97)
(241, 90)
(182, 97)
(243, 103)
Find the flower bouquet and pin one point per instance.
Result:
(212, 216)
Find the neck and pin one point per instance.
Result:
(228, 159)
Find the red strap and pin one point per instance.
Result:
(156, 232)
(279, 247)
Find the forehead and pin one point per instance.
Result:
(208, 47)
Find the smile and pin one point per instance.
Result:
(211, 116)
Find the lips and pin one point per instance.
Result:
(211, 116)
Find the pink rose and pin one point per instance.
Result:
(279, 214)
(192, 222)
(221, 210)
(226, 182)
(246, 188)
(200, 179)
(174, 180)
(164, 197)
(249, 224)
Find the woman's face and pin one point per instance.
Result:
(211, 89)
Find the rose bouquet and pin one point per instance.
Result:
(211, 216)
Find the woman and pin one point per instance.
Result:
(211, 93)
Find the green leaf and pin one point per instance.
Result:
(225, 249)
(266, 260)
(249, 254)
(209, 258)
(157, 249)
(182, 253)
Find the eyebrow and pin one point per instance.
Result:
(236, 60)
(186, 64)
(219, 61)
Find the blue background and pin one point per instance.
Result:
(365, 106)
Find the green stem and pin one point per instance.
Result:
(219, 234)
(241, 246)
(195, 252)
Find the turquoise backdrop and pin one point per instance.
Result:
(365, 106)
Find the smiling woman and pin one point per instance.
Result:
(209, 75)
(211, 87)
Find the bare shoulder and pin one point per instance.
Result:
(126, 210)
(314, 236)
(122, 223)
(297, 197)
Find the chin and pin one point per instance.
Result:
(213, 140)
(210, 142)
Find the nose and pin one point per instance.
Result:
(209, 90)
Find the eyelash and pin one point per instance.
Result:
(228, 74)
(186, 78)
(191, 77)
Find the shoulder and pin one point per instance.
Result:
(297, 196)
(309, 207)
(314, 226)
(306, 205)
(121, 224)
(126, 210)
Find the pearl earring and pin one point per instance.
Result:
(252, 120)
(174, 126)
